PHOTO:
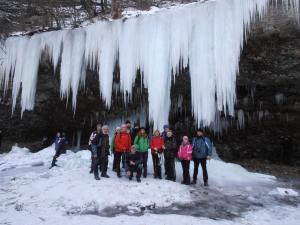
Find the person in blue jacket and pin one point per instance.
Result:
(202, 151)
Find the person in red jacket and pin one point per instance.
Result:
(157, 148)
(122, 146)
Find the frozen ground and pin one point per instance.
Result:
(31, 194)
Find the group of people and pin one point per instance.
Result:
(130, 150)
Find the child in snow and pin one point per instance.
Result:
(134, 163)
(141, 142)
(185, 155)
(157, 148)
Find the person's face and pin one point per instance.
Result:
(199, 133)
(142, 131)
(119, 131)
(156, 133)
(99, 127)
(128, 125)
(105, 130)
(167, 129)
(169, 134)
(185, 140)
(124, 128)
(133, 150)
(58, 134)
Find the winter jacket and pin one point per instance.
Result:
(170, 147)
(60, 143)
(134, 158)
(104, 146)
(202, 147)
(157, 142)
(123, 142)
(113, 143)
(185, 152)
(141, 143)
(95, 138)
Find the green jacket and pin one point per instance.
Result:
(141, 143)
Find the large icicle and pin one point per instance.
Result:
(206, 36)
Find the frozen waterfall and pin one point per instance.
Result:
(206, 36)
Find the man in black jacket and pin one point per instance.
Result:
(103, 151)
(134, 164)
(94, 145)
(170, 154)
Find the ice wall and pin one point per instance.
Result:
(206, 36)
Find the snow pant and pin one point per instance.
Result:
(144, 160)
(135, 169)
(186, 171)
(104, 165)
(156, 165)
(204, 170)
(170, 168)
(57, 154)
(118, 158)
(114, 163)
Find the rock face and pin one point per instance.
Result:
(267, 119)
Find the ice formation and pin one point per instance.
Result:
(206, 36)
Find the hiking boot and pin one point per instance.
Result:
(97, 178)
(138, 180)
(91, 171)
(119, 175)
(130, 178)
(194, 182)
(105, 175)
(206, 184)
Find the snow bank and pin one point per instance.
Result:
(69, 194)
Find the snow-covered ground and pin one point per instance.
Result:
(30, 194)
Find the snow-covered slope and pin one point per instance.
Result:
(32, 194)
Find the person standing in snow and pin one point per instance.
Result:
(113, 150)
(141, 142)
(164, 135)
(202, 151)
(185, 155)
(157, 148)
(170, 153)
(60, 143)
(94, 143)
(103, 152)
(122, 146)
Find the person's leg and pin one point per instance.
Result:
(138, 174)
(104, 164)
(130, 174)
(182, 165)
(92, 165)
(196, 168)
(145, 163)
(154, 164)
(158, 167)
(96, 168)
(114, 163)
(118, 162)
(167, 168)
(204, 170)
(187, 172)
(172, 169)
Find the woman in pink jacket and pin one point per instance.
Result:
(185, 155)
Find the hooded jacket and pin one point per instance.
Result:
(202, 147)
(123, 142)
(157, 142)
(141, 143)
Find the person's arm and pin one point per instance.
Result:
(136, 140)
(209, 147)
(147, 143)
(113, 143)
